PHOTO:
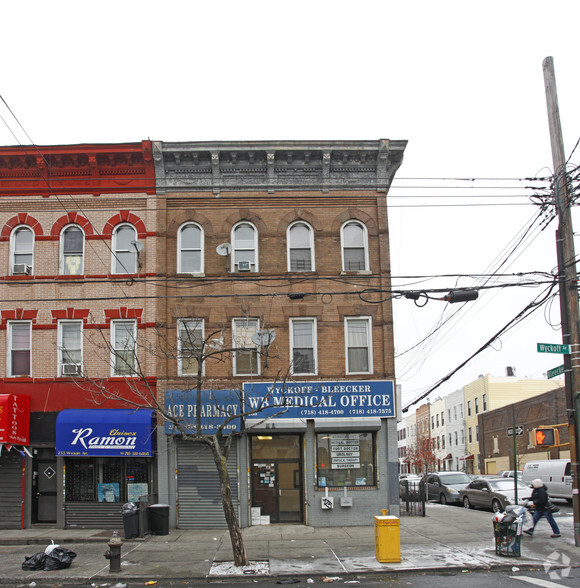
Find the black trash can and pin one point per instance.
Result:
(159, 519)
(130, 520)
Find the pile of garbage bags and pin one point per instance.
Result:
(514, 513)
(54, 557)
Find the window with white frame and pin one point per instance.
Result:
(72, 244)
(190, 341)
(190, 249)
(19, 348)
(246, 356)
(123, 347)
(245, 248)
(355, 255)
(22, 249)
(70, 348)
(125, 250)
(359, 357)
(300, 241)
(303, 346)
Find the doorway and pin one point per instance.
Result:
(277, 477)
(44, 475)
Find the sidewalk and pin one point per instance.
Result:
(447, 538)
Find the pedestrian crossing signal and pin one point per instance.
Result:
(546, 436)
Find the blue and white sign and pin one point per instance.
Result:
(316, 400)
(105, 433)
(216, 407)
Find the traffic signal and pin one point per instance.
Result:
(546, 436)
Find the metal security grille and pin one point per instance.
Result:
(199, 504)
(10, 490)
(412, 498)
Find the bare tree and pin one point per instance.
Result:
(193, 352)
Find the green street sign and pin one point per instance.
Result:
(556, 372)
(553, 348)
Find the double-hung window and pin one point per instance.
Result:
(22, 248)
(19, 348)
(72, 241)
(70, 350)
(123, 347)
(125, 250)
(359, 357)
(355, 254)
(246, 355)
(190, 341)
(190, 249)
(303, 346)
(300, 242)
(245, 246)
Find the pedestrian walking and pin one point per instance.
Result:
(542, 505)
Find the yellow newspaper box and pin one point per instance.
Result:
(387, 539)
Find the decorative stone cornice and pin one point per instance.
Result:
(276, 165)
(78, 169)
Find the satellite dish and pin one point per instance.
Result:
(224, 249)
(264, 338)
(138, 245)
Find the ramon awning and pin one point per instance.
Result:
(105, 433)
(448, 456)
(467, 457)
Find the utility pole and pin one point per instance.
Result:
(568, 282)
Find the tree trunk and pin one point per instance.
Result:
(238, 548)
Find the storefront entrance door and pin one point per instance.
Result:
(277, 477)
(44, 487)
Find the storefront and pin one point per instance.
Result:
(107, 459)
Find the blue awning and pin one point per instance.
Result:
(105, 433)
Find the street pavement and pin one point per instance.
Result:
(447, 538)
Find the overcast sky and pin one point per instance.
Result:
(461, 81)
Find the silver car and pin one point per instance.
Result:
(444, 487)
(493, 493)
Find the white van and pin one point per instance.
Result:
(555, 473)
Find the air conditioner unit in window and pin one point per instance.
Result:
(71, 369)
(21, 269)
(243, 266)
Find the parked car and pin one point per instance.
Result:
(509, 473)
(444, 487)
(555, 473)
(409, 487)
(493, 493)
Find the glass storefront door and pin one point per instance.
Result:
(277, 477)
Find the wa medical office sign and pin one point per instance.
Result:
(319, 400)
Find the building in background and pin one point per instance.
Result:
(496, 431)
(455, 430)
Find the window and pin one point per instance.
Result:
(108, 479)
(190, 249)
(124, 250)
(70, 352)
(246, 358)
(354, 247)
(456, 438)
(442, 418)
(19, 348)
(477, 405)
(437, 420)
(462, 437)
(72, 241)
(477, 432)
(469, 408)
(345, 459)
(359, 358)
(432, 422)
(470, 437)
(442, 441)
(450, 443)
(484, 402)
(123, 339)
(22, 245)
(303, 346)
(461, 408)
(245, 245)
(300, 248)
(189, 342)
(454, 413)
(449, 415)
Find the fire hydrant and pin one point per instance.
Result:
(113, 554)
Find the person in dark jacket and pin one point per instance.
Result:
(541, 501)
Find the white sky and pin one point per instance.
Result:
(461, 81)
